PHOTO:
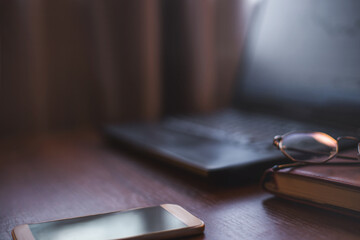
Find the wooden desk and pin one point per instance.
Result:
(73, 174)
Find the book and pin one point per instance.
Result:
(333, 187)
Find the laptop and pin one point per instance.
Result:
(300, 70)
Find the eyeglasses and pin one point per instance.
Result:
(306, 148)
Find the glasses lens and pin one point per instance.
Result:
(309, 147)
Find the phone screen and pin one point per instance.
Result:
(108, 226)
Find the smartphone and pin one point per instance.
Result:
(158, 222)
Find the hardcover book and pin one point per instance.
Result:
(333, 187)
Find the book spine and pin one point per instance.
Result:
(268, 177)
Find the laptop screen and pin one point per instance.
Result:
(303, 57)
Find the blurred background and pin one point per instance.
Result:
(79, 63)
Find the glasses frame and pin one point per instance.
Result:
(278, 142)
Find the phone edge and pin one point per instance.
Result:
(183, 215)
(22, 232)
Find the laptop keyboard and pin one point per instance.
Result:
(256, 130)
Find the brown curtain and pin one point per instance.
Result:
(73, 63)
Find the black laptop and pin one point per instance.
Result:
(300, 70)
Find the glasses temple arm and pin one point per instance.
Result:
(321, 153)
(348, 158)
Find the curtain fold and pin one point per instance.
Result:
(72, 63)
(202, 43)
(189, 55)
(127, 42)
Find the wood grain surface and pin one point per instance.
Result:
(66, 175)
